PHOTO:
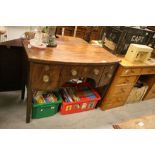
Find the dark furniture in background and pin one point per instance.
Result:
(87, 33)
(12, 66)
(122, 36)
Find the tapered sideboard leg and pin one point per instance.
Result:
(29, 105)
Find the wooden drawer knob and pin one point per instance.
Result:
(127, 71)
(74, 72)
(46, 78)
(96, 71)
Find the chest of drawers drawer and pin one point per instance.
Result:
(150, 70)
(125, 79)
(130, 71)
(112, 102)
(121, 90)
(45, 77)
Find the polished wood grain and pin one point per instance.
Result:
(70, 50)
(150, 70)
(130, 71)
(125, 80)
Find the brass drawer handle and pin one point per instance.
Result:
(96, 71)
(74, 72)
(46, 78)
(109, 75)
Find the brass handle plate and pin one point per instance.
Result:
(74, 72)
(46, 78)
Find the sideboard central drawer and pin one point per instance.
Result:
(93, 72)
(45, 77)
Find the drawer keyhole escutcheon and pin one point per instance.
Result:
(96, 71)
(46, 78)
(74, 72)
(47, 68)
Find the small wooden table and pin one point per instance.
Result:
(144, 122)
(72, 58)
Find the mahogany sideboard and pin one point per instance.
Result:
(125, 78)
(73, 58)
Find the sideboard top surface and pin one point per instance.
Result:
(70, 50)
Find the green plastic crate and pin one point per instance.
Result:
(46, 109)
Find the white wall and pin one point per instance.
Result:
(14, 32)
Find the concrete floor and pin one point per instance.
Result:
(12, 115)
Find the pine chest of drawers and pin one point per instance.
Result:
(124, 81)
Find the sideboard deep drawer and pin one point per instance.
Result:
(70, 72)
(45, 77)
(94, 72)
(107, 74)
